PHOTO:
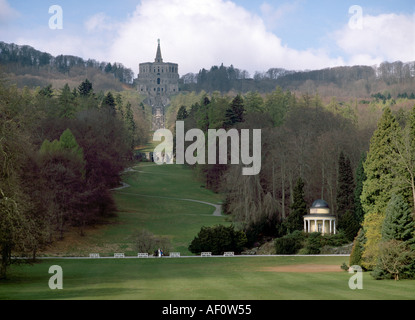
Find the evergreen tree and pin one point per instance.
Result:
(85, 88)
(46, 91)
(109, 104)
(360, 178)
(66, 103)
(399, 223)
(345, 187)
(349, 225)
(119, 103)
(182, 113)
(235, 112)
(295, 220)
(130, 123)
(377, 188)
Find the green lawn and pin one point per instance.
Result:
(151, 202)
(195, 279)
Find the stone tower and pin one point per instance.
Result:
(158, 80)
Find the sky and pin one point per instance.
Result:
(196, 34)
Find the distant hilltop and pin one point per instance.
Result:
(351, 80)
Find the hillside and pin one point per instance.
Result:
(26, 66)
(355, 81)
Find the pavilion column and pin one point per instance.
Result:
(305, 225)
(324, 226)
(330, 225)
(309, 225)
(334, 221)
(315, 226)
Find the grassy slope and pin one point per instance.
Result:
(176, 219)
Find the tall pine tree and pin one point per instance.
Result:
(399, 223)
(360, 179)
(109, 104)
(377, 188)
(235, 112)
(295, 220)
(345, 187)
(379, 184)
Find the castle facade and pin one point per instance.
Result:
(158, 80)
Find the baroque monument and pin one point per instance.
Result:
(158, 80)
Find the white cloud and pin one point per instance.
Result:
(100, 22)
(7, 13)
(273, 17)
(199, 34)
(386, 37)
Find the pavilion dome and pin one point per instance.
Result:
(320, 204)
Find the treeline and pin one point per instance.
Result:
(16, 57)
(225, 79)
(338, 76)
(60, 154)
(302, 139)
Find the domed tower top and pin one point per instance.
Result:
(159, 58)
(320, 207)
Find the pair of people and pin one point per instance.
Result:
(159, 253)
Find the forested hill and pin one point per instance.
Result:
(351, 81)
(27, 66)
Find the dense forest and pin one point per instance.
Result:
(354, 81)
(357, 156)
(61, 152)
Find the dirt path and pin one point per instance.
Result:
(304, 268)
(216, 213)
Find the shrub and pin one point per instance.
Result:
(289, 244)
(218, 239)
(335, 240)
(146, 242)
(313, 243)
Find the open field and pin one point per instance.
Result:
(151, 202)
(199, 279)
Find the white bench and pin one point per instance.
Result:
(119, 255)
(142, 255)
(206, 254)
(229, 254)
(174, 254)
(94, 255)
